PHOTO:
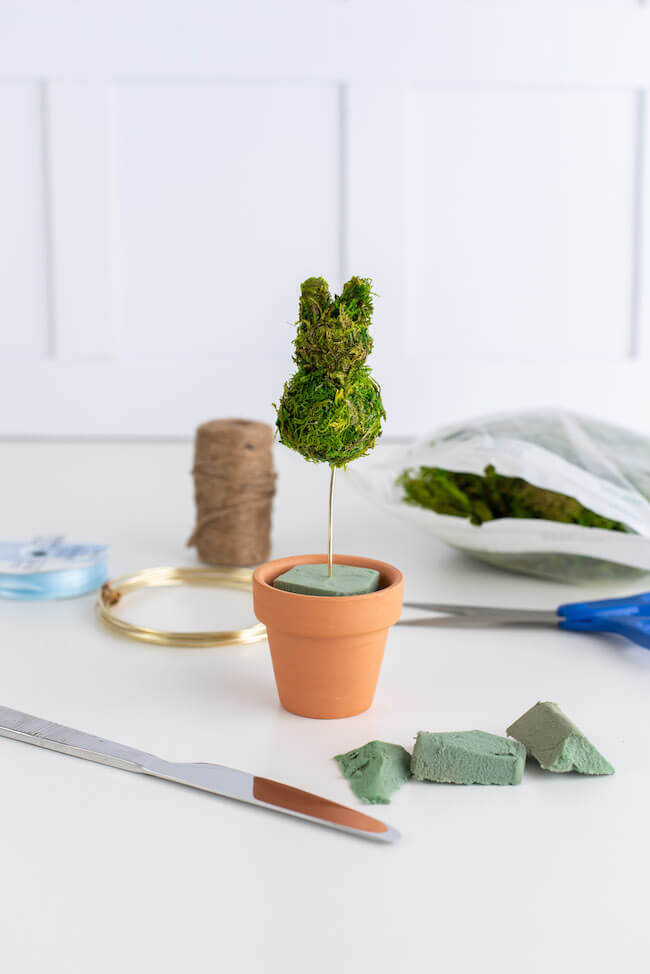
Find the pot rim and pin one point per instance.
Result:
(385, 569)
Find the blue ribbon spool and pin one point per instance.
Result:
(24, 571)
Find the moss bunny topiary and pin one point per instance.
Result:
(331, 409)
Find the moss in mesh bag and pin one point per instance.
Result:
(487, 496)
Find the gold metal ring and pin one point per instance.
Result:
(237, 578)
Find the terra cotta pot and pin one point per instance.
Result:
(327, 650)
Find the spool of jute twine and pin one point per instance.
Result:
(234, 484)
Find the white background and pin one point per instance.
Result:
(169, 172)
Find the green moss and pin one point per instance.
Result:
(331, 409)
(315, 299)
(489, 496)
(330, 421)
(333, 335)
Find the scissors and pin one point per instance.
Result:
(628, 617)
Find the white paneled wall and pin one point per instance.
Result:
(169, 173)
(229, 195)
(24, 304)
(536, 247)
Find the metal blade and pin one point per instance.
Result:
(56, 737)
(214, 778)
(487, 611)
(273, 795)
(478, 621)
(302, 804)
(451, 622)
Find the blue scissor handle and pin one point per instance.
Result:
(629, 617)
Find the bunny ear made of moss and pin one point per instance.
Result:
(333, 335)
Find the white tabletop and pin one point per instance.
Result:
(104, 871)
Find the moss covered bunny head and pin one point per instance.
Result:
(331, 408)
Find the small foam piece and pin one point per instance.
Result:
(468, 758)
(376, 770)
(314, 580)
(556, 743)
